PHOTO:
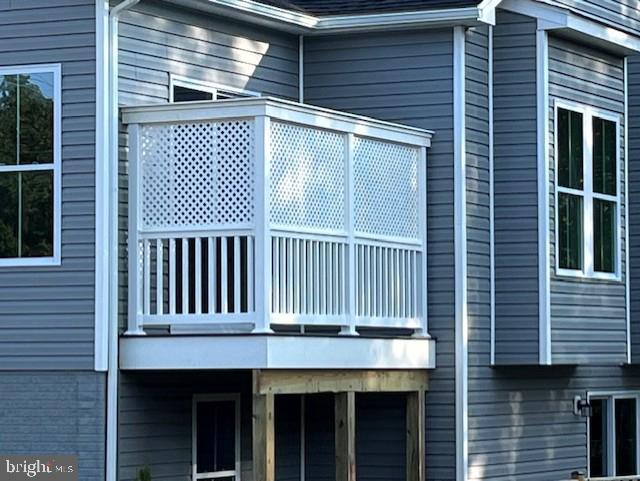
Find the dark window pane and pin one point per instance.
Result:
(184, 94)
(37, 214)
(604, 235)
(36, 118)
(216, 436)
(604, 156)
(625, 437)
(8, 119)
(570, 158)
(26, 119)
(8, 214)
(570, 231)
(598, 430)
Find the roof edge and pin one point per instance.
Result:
(303, 23)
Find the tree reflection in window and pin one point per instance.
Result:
(26, 139)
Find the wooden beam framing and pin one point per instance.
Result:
(264, 453)
(416, 436)
(330, 381)
(345, 433)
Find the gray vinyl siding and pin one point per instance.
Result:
(407, 77)
(47, 313)
(381, 438)
(155, 421)
(477, 173)
(621, 14)
(588, 318)
(515, 190)
(521, 421)
(157, 39)
(634, 202)
(43, 413)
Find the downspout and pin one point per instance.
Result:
(113, 134)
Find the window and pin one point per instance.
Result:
(613, 436)
(588, 197)
(216, 438)
(183, 89)
(29, 165)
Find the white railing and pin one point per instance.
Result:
(262, 213)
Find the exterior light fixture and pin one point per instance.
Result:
(582, 407)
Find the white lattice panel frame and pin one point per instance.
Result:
(197, 176)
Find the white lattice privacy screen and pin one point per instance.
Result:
(308, 172)
(386, 188)
(295, 216)
(197, 176)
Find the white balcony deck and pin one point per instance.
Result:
(260, 215)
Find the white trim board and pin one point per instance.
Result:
(302, 23)
(55, 166)
(627, 276)
(492, 246)
(551, 17)
(544, 229)
(460, 241)
(101, 331)
(254, 351)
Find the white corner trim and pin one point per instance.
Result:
(460, 241)
(627, 276)
(551, 17)
(112, 133)
(101, 331)
(544, 229)
(492, 247)
(301, 69)
(276, 17)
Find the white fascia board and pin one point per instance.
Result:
(551, 17)
(303, 23)
(274, 352)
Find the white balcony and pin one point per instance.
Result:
(260, 215)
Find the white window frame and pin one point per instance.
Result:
(204, 86)
(55, 167)
(611, 397)
(198, 398)
(587, 193)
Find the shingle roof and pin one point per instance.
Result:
(347, 7)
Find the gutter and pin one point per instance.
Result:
(305, 24)
(112, 133)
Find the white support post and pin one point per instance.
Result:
(422, 219)
(135, 255)
(263, 261)
(350, 330)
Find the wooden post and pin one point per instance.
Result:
(345, 431)
(415, 436)
(264, 453)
